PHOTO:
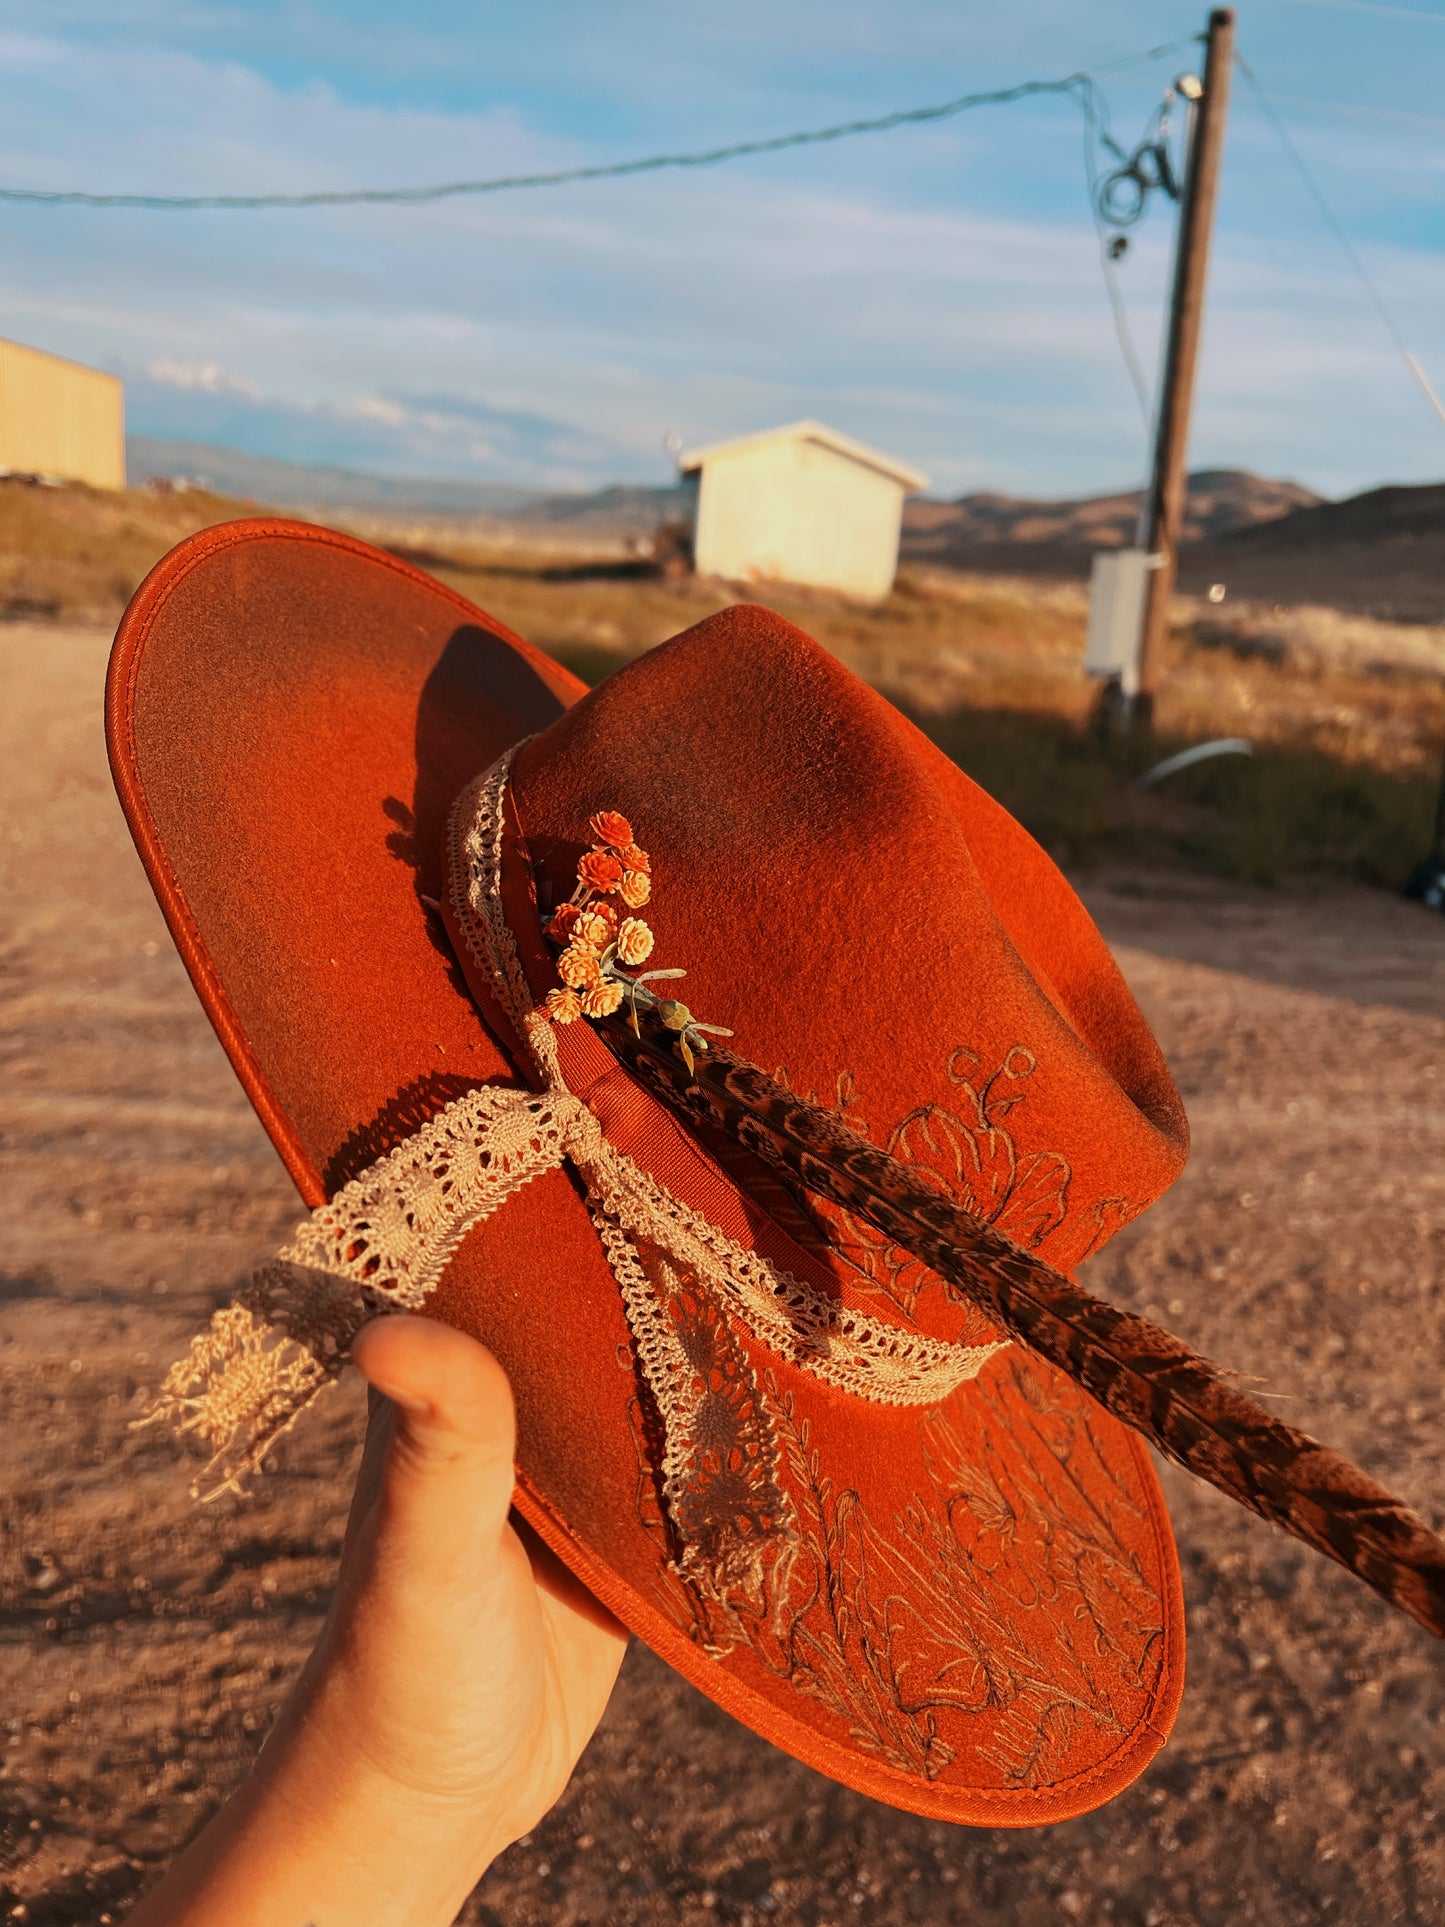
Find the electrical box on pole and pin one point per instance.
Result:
(1117, 590)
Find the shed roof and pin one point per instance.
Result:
(65, 361)
(908, 478)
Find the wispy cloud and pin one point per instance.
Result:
(207, 376)
(430, 434)
(939, 296)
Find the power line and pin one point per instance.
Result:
(1368, 6)
(1079, 84)
(1365, 110)
(1138, 173)
(1124, 334)
(1332, 222)
(1118, 198)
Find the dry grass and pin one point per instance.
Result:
(1347, 714)
(80, 553)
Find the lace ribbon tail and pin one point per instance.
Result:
(259, 1364)
(381, 1244)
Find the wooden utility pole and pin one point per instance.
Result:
(1163, 511)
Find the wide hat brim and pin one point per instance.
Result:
(291, 715)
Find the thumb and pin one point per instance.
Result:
(449, 1454)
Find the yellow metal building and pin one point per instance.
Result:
(60, 419)
(800, 504)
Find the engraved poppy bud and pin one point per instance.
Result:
(596, 925)
(635, 888)
(578, 968)
(599, 870)
(602, 999)
(634, 941)
(675, 1015)
(563, 1006)
(610, 827)
(564, 917)
(635, 859)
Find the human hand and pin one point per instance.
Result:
(458, 1677)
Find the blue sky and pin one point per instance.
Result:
(935, 291)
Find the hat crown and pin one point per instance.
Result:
(875, 930)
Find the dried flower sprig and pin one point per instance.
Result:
(596, 940)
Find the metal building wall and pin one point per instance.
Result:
(58, 418)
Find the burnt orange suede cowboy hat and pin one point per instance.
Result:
(756, 1250)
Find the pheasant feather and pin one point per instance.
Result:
(1137, 1371)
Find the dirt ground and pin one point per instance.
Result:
(144, 1644)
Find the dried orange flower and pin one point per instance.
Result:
(595, 926)
(578, 967)
(636, 859)
(563, 1006)
(634, 941)
(602, 999)
(609, 827)
(564, 917)
(635, 888)
(600, 870)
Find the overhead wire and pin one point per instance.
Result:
(1137, 174)
(1341, 234)
(1078, 84)
(1380, 12)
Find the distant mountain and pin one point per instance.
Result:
(619, 510)
(622, 509)
(1380, 515)
(1380, 554)
(300, 485)
(1055, 534)
(1032, 533)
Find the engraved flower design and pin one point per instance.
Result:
(969, 1155)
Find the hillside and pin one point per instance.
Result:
(619, 510)
(623, 509)
(1379, 515)
(1220, 502)
(1019, 533)
(1380, 554)
(257, 478)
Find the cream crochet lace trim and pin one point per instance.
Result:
(385, 1239)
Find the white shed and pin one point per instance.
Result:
(800, 504)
